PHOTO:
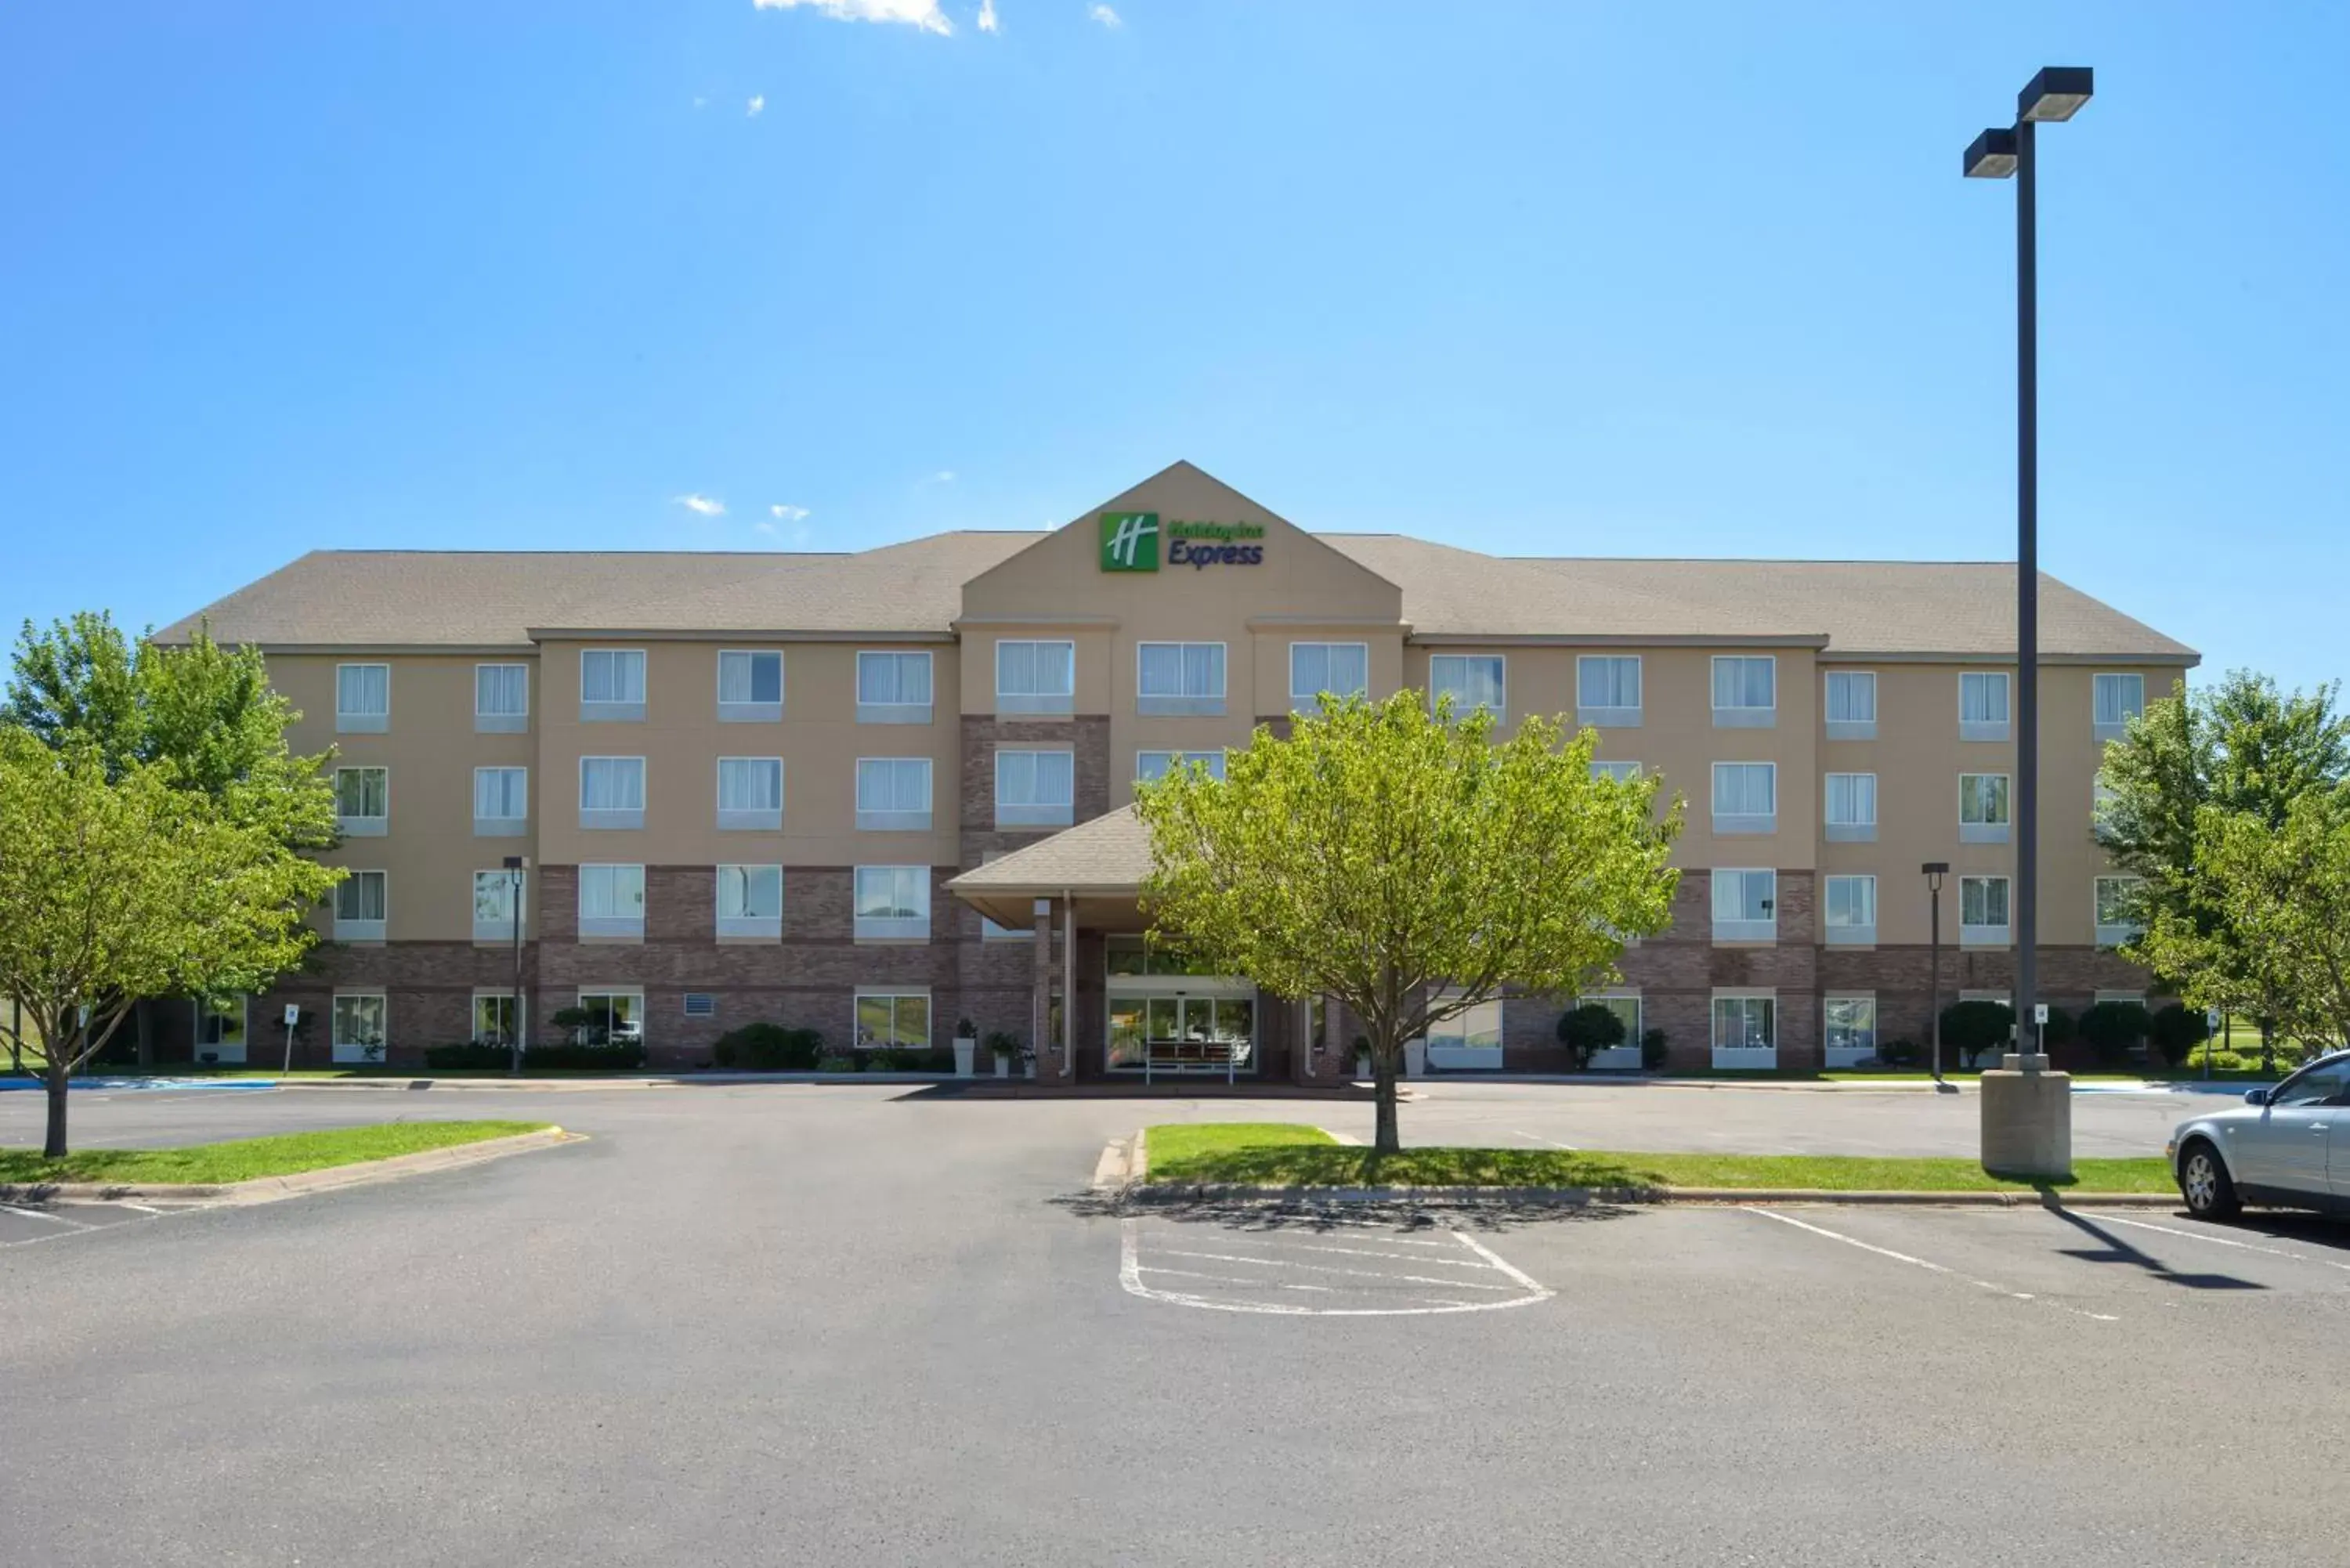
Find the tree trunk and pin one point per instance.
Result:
(1385, 1140)
(143, 1012)
(54, 1146)
(2268, 1045)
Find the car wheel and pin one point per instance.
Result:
(2203, 1182)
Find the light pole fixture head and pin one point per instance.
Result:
(1991, 155)
(517, 863)
(1935, 870)
(2056, 93)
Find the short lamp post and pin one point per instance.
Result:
(1935, 870)
(517, 872)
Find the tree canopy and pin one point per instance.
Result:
(1408, 865)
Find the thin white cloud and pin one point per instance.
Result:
(703, 506)
(699, 101)
(922, 14)
(944, 476)
(756, 107)
(988, 22)
(1106, 16)
(763, 528)
(784, 514)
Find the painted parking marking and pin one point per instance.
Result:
(39, 1214)
(1329, 1269)
(2219, 1240)
(1264, 1272)
(1927, 1263)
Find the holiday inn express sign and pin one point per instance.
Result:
(1129, 542)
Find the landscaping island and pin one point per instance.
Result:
(249, 1158)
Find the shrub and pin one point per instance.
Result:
(1652, 1050)
(619, 1057)
(571, 1019)
(1972, 1029)
(837, 1065)
(881, 1060)
(1587, 1029)
(768, 1048)
(472, 1053)
(2058, 1031)
(2175, 1031)
(1003, 1043)
(2111, 1028)
(1901, 1053)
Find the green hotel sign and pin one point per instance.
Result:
(1129, 542)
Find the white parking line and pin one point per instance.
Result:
(1924, 1263)
(2219, 1240)
(1407, 1257)
(1223, 1279)
(1332, 1269)
(1527, 1290)
(1537, 1137)
(39, 1214)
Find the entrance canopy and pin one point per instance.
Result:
(1098, 867)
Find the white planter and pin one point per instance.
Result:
(1363, 1065)
(1415, 1058)
(966, 1050)
(1004, 1066)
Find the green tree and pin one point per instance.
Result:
(112, 888)
(1588, 1030)
(1409, 865)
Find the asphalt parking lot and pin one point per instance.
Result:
(855, 1325)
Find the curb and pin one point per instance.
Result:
(425, 1081)
(270, 1189)
(1584, 1197)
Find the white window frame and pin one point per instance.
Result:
(1742, 714)
(1860, 827)
(1846, 1055)
(362, 721)
(1745, 822)
(1183, 700)
(1304, 702)
(891, 928)
(1040, 810)
(489, 722)
(1613, 714)
(2103, 730)
(223, 1052)
(612, 925)
(1040, 700)
(1986, 936)
(1625, 1056)
(893, 994)
(1848, 728)
(505, 997)
(361, 928)
(501, 930)
(1742, 927)
(741, 818)
(1622, 772)
(1849, 933)
(1987, 729)
(751, 710)
(1439, 689)
(2112, 934)
(613, 818)
(896, 713)
(355, 1048)
(1743, 1056)
(1213, 760)
(1987, 830)
(1449, 1043)
(610, 993)
(738, 925)
(622, 708)
(363, 826)
(501, 826)
(894, 818)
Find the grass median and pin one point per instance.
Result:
(249, 1158)
(1277, 1154)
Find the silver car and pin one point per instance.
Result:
(2288, 1147)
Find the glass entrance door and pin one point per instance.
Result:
(1181, 1033)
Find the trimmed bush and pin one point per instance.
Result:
(768, 1048)
(2111, 1029)
(1652, 1050)
(1901, 1053)
(473, 1054)
(837, 1065)
(2175, 1031)
(622, 1057)
(2058, 1031)
(1588, 1029)
(1003, 1043)
(1975, 1029)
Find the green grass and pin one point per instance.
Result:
(1279, 1154)
(243, 1159)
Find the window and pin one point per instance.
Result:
(611, 791)
(1983, 808)
(1035, 676)
(1179, 678)
(493, 1018)
(500, 802)
(612, 684)
(1626, 1006)
(1608, 690)
(893, 1020)
(893, 903)
(611, 901)
(1472, 680)
(893, 794)
(2323, 1085)
(362, 802)
(751, 793)
(220, 1029)
(751, 901)
(614, 1017)
(1852, 808)
(1745, 693)
(1034, 789)
(1746, 1030)
(1157, 765)
(495, 900)
(358, 1027)
(1745, 797)
(1982, 910)
(1339, 668)
(362, 698)
(750, 687)
(1982, 705)
(1849, 909)
(1852, 705)
(1470, 1039)
(501, 698)
(360, 906)
(2118, 920)
(1850, 1029)
(893, 688)
(1622, 772)
(1745, 906)
(2119, 698)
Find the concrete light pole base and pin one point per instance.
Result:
(2027, 1120)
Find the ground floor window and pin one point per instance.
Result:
(1176, 1034)
(613, 1018)
(1626, 1006)
(1470, 1039)
(1746, 1030)
(1851, 1029)
(493, 1018)
(220, 1029)
(893, 1020)
(359, 1023)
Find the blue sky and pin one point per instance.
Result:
(1641, 279)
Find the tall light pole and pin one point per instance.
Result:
(1935, 870)
(2055, 94)
(517, 871)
